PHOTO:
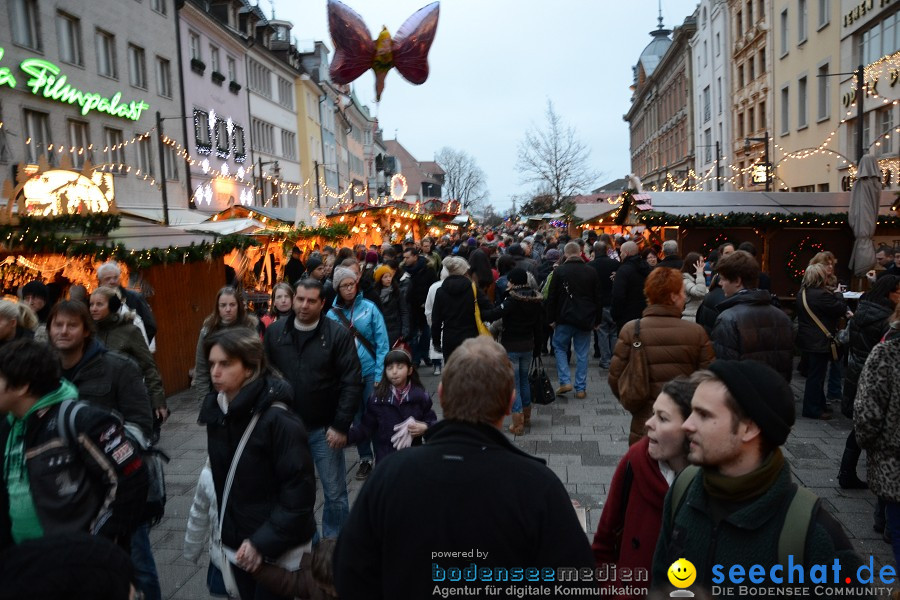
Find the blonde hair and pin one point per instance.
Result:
(815, 277)
(823, 258)
(19, 311)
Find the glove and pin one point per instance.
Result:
(402, 438)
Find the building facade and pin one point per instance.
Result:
(751, 106)
(82, 87)
(661, 115)
(807, 96)
(870, 37)
(710, 48)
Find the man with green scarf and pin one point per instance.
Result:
(734, 510)
(91, 480)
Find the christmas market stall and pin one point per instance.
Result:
(389, 220)
(787, 229)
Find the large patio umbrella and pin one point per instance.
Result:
(863, 214)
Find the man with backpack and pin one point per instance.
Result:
(739, 505)
(92, 481)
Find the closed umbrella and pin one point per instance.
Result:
(863, 214)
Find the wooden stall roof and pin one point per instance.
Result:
(136, 234)
(178, 217)
(689, 203)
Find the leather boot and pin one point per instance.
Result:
(847, 477)
(527, 413)
(518, 424)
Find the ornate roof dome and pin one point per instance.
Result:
(656, 49)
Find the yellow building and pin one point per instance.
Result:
(807, 128)
(309, 134)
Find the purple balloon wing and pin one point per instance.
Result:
(354, 49)
(412, 42)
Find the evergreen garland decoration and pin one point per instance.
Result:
(88, 224)
(732, 219)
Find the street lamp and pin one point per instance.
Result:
(718, 179)
(764, 140)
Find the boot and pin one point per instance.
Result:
(527, 414)
(847, 477)
(518, 424)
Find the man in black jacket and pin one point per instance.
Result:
(417, 277)
(748, 326)
(466, 465)
(573, 307)
(628, 301)
(294, 268)
(318, 357)
(92, 481)
(605, 335)
(671, 259)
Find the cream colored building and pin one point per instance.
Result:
(807, 129)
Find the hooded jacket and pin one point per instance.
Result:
(117, 332)
(628, 300)
(868, 325)
(749, 327)
(382, 414)
(273, 495)
(453, 315)
(366, 320)
(522, 316)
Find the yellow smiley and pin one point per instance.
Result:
(682, 573)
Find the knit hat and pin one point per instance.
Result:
(517, 276)
(313, 263)
(382, 271)
(762, 394)
(489, 236)
(552, 255)
(342, 273)
(528, 240)
(456, 265)
(471, 242)
(515, 250)
(36, 288)
(371, 257)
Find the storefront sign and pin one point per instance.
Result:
(862, 9)
(68, 192)
(45, 79)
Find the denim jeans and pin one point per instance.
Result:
(365, 447)
(563, 335)
(893, 526)
(521, 362)
(814, 403)
(835, 380)
(419, 340)
(332, 472)
(607, 338)
(145, 575)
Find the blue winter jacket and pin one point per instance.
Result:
(367, 320)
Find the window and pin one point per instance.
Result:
(785, 33)
(706, 105)
(763, 124)
(824, 85)
(705, 54)
(214, 59)
(232, 69)
(785, 111)
(740, 126)
(195, 46)
(237, 143)
(223, 140)
(762, 61)
(751, 120)
(719, 93)
(740, 76)
(263, 136)
(37, 135)
(288, 144)
(285, 93)
(260, 79)
(79, 142)
(762, 9)
(708, 145)
(751, 70)
(749, 14)
(163, 77)
(114, 150)
(718, 44)
(801, 103)
(145, 155)
(886, 124)
(880, 40)
(106, 54)
(171, 159)
(739, 25)
(160, 7)
(824, 13)
(23, 22)
(137, 69)
(202, 138)
(801, 21)
(68, 32)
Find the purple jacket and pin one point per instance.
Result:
(382, 414)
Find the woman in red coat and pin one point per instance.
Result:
(629, 525)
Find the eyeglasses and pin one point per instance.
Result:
(347, 286)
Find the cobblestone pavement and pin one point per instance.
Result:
(581, 440)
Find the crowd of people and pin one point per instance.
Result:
(697, 349)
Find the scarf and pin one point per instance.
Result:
(745, 487)
(400, 395)
(25, 522)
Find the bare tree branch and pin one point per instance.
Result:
(463, 178)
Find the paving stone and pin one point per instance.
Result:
(601, 460)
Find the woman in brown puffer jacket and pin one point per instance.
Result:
(672, 345)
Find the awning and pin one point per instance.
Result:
(229, 226)
(135, 234)
(177, 216)
(690, 203)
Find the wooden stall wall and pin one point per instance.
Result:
(790, 251)
(183, 296)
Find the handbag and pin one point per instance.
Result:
(482, 329)
(539, 383)
(832, 343)
(634, 383)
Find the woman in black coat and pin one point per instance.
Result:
(868, 325)
(269, 511)
(453, 315)
(393, 305)
(828, 307)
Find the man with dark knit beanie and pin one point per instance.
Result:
(737, 506)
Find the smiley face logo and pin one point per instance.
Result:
(682, 573)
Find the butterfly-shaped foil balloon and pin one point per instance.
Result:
(355, 51)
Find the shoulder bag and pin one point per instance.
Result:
(539, 383)
(354, 331)
(479, 324)
(832, 343)
(634, 383)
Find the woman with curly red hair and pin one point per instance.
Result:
(672, 345)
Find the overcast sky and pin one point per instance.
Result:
(494, 64)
